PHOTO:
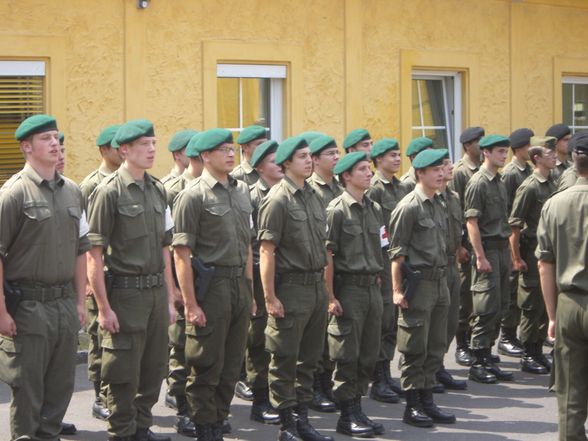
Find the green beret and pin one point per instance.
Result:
(180, 140)
(251, 133)
(320, 143)
(354, 137)
(35, 124)
(487, 142)
(311, 136)
(287, 148)
(417, 145)
(429, 158)
(106, 135)
(384, 145)
(191, 150)
(132, 130)
(347, 162)
(212, 138)
(61, 138)
(262, 151)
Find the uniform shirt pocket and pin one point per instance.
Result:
(132, 219)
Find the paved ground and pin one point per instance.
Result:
(523, 410)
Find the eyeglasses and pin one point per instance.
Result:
(330, 153)
(225, 150)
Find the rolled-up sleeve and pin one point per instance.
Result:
(545, 246)
(9, 211)
(400, 231)
(271, 219)
(334, 220)
(186, 215)
(474, 200)
(101, 216)
(520, 207)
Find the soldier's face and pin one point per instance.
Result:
(432, 177)
(390, 161)
(181, 157)
(141, 152)
(60, 167)
(301, 163)
(360, 176)
(548, 159)
(268, 168)
(363, 146)
(562, 145)
(473, 148)
(113, 156)
(497, 156)
(326, 159)
(220, 159)
(43, 147)
(249, 148)
(524, 151)
(447, 169)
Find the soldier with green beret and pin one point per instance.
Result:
(462, 173)
(415, 146)
(130, 230)
(257, 358)
(249, 139)
(177, 147)
(418, 231)
(292, 231)
(213, 224)
(524, 218)
(562, 133)
(486, 203)
(43, 241)
(561, 251)
(354, 256)
(358, 140)
(311, 135)
(387, 190)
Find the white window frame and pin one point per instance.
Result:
(574, 80)
(22, 68)
(277, 75)
(454, 125)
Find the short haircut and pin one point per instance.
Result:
(536, 152)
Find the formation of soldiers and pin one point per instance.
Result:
(291, 279)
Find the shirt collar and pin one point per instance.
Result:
(187, 176)
(262, 185)
(247, 168)
(379, 175)
(469, 163)
(211, 180)
(32, 174)
(542, 179)
(291, 186)
(421, 194)
(522, 166)
(582, 181)
(350, 200)
(104, 171)
(487, 173)
(128, 179)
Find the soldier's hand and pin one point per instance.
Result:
(195, 315)
(178, 299)
(275, 308)
(7, 325)
(463, 255)
(551, 329)
(519, 265)
(399, 300)
(89, 291)
(253, 310)
(173, 313)
(81, 314)
(108, 321)
(483, 266)
(335, 308)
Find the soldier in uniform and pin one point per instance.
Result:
(358, 140)
(463, 171)
(249, 139)
(213, 224)
(415, 146)
(524, 217)
(257, 358)
(355, 228)
(513, 175)
(292, 232)
(177, 147)
(130, 225)
(60, 167)
(562, 134)
(418, 231)
(561, 250)
(325, 155)
(42, 248)
(485, 208)
(387, 191)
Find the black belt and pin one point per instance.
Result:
(144, 281)
(41, 292)
(431, 273)
(301, 278)
(359, 279)
(231, 272)
(495, 244)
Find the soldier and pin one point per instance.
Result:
(513, 175)
(561, 250)
(416, 146)
(175, 397)
(311, 135)
(42, 247)
(358, 140)
(387, 191)
(177, 147)
(355, 226)
(463, 171)
(130, 226)
(60, 167)
(111, 161)
(485, 208)
(524, 217)
(570, 175)
(292, 232)
(562, 134)
(213, 226)
(249, 139)
(418, 227)
(325, 155)
(257, 358)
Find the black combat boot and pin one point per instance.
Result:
(261, 409)
(183, 424)
(349, 423)
(217, 431)
(288, 430)
(203, 432)
(478, 371)
(99, 409)
(363, 418)
(414, 413)
(326, 379)
(529, 361)
(431, 409)
(392, 382)
(494, 369)
(305, 430)
(320, 402)
(509, 344)
(68, 429)
(541, 358)
(380, 390)
(463, 354)
(446, 379)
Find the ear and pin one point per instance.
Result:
(26, 146)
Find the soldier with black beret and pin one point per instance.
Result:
(562, 133)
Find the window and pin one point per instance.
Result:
(575, 103)
(22, 94)
(436, 108)
(251, 94)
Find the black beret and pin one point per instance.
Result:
(471, 134)
(520, 138)
(558, 130)
(579, 143)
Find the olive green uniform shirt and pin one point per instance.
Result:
(171, 175)
(128, 219)
(409, 178)
(327, 192)
(462, 173)
(486, 199)
(561, 236)
(246, 173)
(354, 235)
(418, 230)
(567, 178)
(559, 169)
(174, 186)
(90, 182)
(294, 219)
(214, 220)
(40, 235)
(455, 220)
(258, 191)
(513, 176)
(387, 194)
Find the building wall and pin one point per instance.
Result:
(350, 60)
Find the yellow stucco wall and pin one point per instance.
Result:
(349, 60)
